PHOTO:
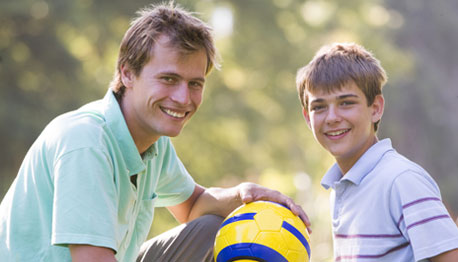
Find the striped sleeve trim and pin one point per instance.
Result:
(372, 256)
(424, 221)
(420, 201)
(368, 236)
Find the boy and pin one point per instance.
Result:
(384, 207)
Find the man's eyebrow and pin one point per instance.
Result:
(200, 79)
(167, 73)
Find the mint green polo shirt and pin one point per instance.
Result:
(74, 188)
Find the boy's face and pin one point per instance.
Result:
(343, 123)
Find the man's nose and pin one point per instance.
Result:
(181, 94)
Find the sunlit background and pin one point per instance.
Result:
(58, 55)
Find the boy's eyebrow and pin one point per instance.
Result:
(346, 96)
(319, 100)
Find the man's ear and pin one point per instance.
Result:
(127, 76)
(306, 116)
(377, 108)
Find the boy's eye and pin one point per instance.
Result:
(346, 103)
(316, 107)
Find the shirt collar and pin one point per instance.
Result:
(118, 126)
(361, 168)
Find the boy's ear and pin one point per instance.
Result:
(127, 76)
(306, 116)
(378, 106)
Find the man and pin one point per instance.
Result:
(88, 186)
(384, 206)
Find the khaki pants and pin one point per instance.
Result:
(190, 242)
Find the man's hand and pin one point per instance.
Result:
(87, 253)
(249, 192)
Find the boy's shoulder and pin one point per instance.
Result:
(399, 163)
(394, 165)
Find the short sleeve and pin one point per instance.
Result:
(84, 208)
(175, 184)
(421, 216)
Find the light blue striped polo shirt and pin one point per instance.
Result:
(74, 188)
(387, 208)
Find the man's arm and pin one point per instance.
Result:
(222, 201)
(87, 253)
(449, 256)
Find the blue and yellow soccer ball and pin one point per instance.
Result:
(262, 231)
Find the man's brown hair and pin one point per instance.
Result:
(335, 65)
(185, 32)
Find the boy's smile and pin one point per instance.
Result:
(343, 123)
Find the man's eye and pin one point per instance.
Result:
(196, 85)
(167, 79)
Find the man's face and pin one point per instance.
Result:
(166, 93)
(342, 122)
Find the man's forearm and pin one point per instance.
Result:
(216, 201)
(222, 201)
(87, 253)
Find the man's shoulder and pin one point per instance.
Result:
(79, 128)
(76, 123)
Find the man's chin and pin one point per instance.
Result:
(173, 133)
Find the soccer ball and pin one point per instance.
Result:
(262, 231)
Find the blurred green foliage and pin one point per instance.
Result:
(57, 55)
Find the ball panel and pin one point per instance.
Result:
(273, 240)
(298, 235)
(238, 217)
(268, 220)
(236, 232)
(250, 251)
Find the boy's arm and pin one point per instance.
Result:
(87, 253)
(449, 256)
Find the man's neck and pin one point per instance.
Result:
(142, 139)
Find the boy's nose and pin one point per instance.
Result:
(333, 115)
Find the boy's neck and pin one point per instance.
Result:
(346, 163)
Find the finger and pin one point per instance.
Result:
(247, 199)
(298, 211)
(307, 222)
